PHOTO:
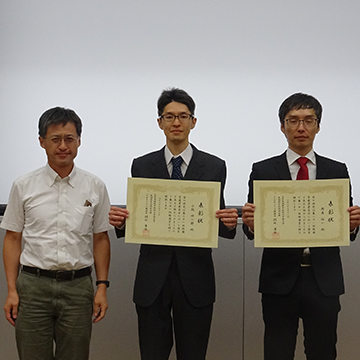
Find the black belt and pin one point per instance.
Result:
(58, 274)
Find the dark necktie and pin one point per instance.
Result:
(176, 171)
(303, 173)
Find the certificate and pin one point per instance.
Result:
(172, 212)
(302, 213)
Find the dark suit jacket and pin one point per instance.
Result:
(195, 264)
(280, 267)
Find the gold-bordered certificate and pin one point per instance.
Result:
(172, 212)
(304, 213)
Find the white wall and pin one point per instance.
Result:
(109, 60)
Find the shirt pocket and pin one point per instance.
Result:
(83, 219)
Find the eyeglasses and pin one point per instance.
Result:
(68, 139)
(171, 117)
(307, 123)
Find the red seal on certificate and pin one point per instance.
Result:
(146, 232)
(275, 236)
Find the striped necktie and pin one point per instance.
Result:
(176, 171)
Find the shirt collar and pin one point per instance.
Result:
(292, 156)
(53, 176)
(186, 155)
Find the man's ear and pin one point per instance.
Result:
(282, 128)
(41, 141)
(160, 123)
(193, 122)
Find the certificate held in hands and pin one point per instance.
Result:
(172, 212)
(305, 213)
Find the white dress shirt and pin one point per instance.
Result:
(57, 217)
(294, 167)
(186, 156)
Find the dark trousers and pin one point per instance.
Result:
(172, 313)
(319, 314)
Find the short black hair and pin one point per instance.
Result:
(56, 116)
(178, 95)
(300, 101)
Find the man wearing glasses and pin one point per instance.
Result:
(295, 282)
(53, 216)
(175, 286)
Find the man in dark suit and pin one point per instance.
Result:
(174, 285)
(295, 282)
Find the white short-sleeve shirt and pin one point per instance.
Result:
(57, 217)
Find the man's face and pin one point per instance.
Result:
(176, 132)
(300, 138)
(61, 143)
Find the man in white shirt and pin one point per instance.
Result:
(53, 216)
(295, 282)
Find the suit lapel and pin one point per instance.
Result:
(321, 168)
(196, 168)
(282, 167)
(159, 167)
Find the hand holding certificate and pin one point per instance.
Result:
(301, 213)
(172, 212)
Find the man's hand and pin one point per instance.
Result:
(118, 216)
(100, 303)
(11, 307)
(354, 217)
(228, 217)
(248, 215)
